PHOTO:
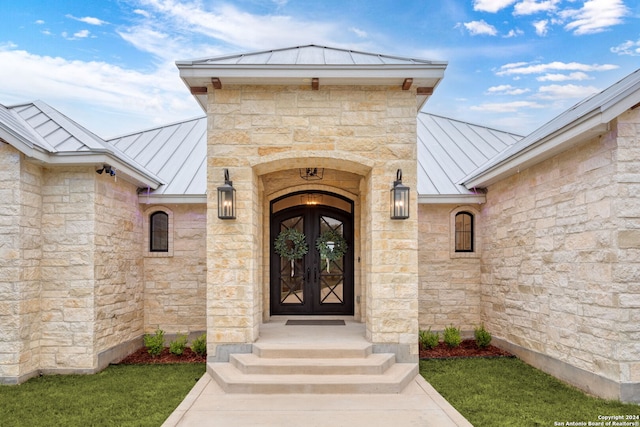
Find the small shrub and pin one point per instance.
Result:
(178, 345)
(452, 336)
(199, 345)
(154, 342)
(483, 337)
(428, 339)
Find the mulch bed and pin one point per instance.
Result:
(142, 357)
(467, 348)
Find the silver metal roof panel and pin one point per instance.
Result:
(450, 149)
(176, 153)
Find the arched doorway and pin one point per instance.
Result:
(312, 284)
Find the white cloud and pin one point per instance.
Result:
(358, 32)
(595, 16)
(91, 89)
(39, 22)
(492, 6)
(530, 7)
(514, 33)
(565, 91)
(526, 68)
(82, 34)
(506, 107)
(542, 27)
(142, 13)
(89, 20)
(231, 25)
(563, 77)
(629, 47)
(476, 28)
(506, 90)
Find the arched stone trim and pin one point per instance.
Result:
(476, 235)
(328, 160)
(147, 231)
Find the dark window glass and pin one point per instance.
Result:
(464, 232)
(159, 232)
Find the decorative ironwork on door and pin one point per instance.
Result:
(321, 280)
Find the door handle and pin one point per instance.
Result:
(308, 274)
(315, 274)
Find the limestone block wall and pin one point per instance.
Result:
(553, 280)
(175, 282)
(449, 281)
(118, 263)
(255, 130)
(20, 250)
(67, 269)
(626, 272)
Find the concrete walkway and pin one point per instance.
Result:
(419, 404)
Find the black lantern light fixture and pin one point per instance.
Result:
(399, 198)
(227, 199)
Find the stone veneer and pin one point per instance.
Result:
(76, 287)
(20, 253)
(175, 281)
(449, 281)
(561, 270)
(364, 130)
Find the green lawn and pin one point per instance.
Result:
(506, 392)
(121, 395)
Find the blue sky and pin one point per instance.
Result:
(513, 64)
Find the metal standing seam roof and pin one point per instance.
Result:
(310, 55)
(13, 124)
(177, 153)
(449, 149)
(37, 124)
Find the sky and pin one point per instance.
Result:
(513, 65)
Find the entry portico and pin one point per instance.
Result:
(272, 117)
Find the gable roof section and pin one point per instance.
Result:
(448, 150)
(581, 122)
(299, 65)
(43, 133)
(177, 153)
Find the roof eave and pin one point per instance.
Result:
(177, 199)
(588, 126)
(449, 199)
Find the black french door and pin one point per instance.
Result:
(312, 285)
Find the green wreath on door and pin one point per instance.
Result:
(292, 245)
(332, 247)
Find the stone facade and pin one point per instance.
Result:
(560, 272)
(78, 289)
(449, 281)
(20, 253)
(175, 281)
(258, 130)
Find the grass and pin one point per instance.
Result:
(121, 395)
(507, 392)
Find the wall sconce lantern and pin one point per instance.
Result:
(399, 198)
(227, 199)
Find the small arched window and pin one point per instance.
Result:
(464, 232)
(159, 232)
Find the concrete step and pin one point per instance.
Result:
(312, 351)
(373, 364)
(393, 380)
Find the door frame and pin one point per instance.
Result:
(310, 307)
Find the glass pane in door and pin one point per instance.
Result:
(332, 270)
(291, 274)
